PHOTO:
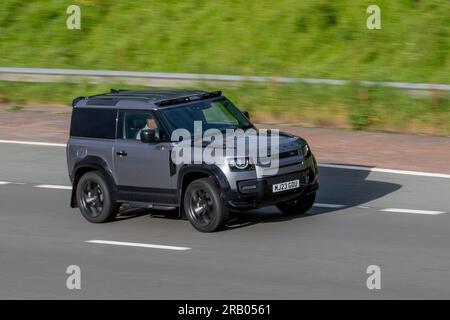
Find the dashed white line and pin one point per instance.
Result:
(397, 210)
(328, 205)
(317, 205)
(51, 186)
(141, 245)
(34, 143)
(406, 172)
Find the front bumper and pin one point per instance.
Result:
(256, 193)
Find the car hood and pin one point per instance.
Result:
(284, 143)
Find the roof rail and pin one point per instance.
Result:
(75, 101)
(194, 97)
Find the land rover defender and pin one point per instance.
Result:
(121, 152)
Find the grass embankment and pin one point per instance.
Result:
(314, 38)
(350, 107)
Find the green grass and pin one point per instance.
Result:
(349, 107)
(309, 38)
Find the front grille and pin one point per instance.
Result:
(288, 154)
(303, 176)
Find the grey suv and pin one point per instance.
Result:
(120, 153)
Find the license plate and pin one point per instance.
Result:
(279, 187)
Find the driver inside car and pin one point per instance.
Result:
(150, 124)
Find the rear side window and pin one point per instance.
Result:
(93, 123)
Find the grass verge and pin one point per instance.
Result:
(350, 107)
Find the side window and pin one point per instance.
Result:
(93, 123)
(135, 121)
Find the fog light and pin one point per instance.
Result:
(249, 187)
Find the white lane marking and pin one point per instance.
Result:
(324, 165)
(51, 186)
(328, 205)
(142, 245)
(412, 173)
(317, 205)
(34, 143)
(411, 211)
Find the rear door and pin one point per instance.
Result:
(142, 169)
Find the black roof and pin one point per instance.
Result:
(159, 98)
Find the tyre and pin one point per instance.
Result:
(299, 205)
(203, 207)
(94, 198)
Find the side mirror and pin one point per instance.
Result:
(245, 113)
(148, 136)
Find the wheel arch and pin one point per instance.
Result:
(89, 164)
(187, 174)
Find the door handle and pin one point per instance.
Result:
(122, 153)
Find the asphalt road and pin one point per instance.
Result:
(262, 254)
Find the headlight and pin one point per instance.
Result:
(240, 164)
(305, 150)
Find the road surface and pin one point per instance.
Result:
(399, 222)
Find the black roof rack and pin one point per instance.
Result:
(160, 98)
(102, 102)
(189, 98)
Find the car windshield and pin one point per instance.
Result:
(218, 114)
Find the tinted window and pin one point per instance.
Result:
(93, 123)
(135, 122)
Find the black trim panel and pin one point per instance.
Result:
(211, 170)
(146, 190)
(153, 195)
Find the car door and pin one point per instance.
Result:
(142, 169)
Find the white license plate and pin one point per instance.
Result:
(279, 187)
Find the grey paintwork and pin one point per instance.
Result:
(148, 165)
(80, 148)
